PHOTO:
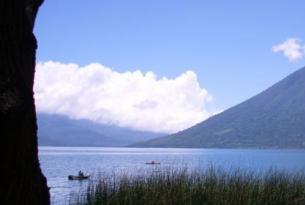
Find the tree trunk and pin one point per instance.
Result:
(22, 181)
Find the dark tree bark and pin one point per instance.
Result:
(22, 181)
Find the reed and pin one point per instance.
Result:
(201, 187)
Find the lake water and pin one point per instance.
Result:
(59, 162)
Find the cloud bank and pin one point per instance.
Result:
(291, 49)
(131, 99)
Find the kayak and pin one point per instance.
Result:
(71, 177)
(152, 163)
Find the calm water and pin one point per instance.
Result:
(59, 162)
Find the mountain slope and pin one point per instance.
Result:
(57, 130)
(274, 118)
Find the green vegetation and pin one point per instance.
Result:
(209, 187)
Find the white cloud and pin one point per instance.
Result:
(291, 48)
(130, 99)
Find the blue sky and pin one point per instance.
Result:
(228, 44)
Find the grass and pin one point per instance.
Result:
(207, 187)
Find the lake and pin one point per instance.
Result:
(59, 162)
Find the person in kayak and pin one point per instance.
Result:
(80, 173)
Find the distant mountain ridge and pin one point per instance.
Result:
(58, 130)
(274, 118)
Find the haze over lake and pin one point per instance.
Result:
(59, 162)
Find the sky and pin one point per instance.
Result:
(162, 65)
